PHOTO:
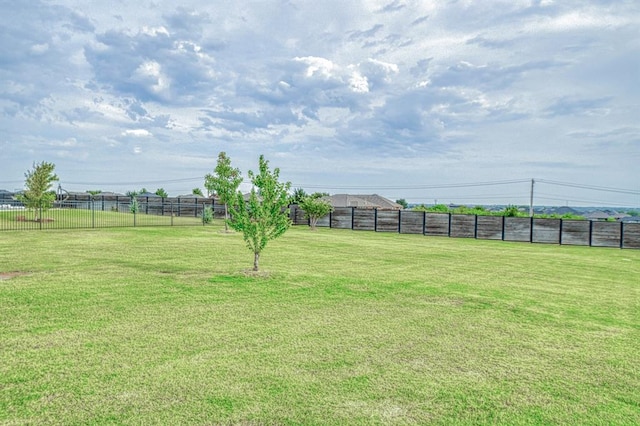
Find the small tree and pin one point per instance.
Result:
(39, 183)
(403, 203)
(315, 208)
(197, 191)
(224, 182)
(161, 192)
(263, 217)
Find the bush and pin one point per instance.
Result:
(207, 215)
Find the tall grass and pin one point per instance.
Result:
(164, 326)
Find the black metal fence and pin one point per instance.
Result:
(105, 213)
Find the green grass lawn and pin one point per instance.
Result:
(165, 326)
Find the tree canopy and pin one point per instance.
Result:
(39, 192)
(262, 217)
(224, 183)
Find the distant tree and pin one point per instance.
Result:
(314, 209)
(319, 194)
(197, 191)
(511, 211)
(298, 195)
(633, 213)
(161, 192)
(39, 183)
(131, 194)
(265, 217)
(403, 203)
(224, 183)
(94, 192)
(143, 191)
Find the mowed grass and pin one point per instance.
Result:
(165, 326)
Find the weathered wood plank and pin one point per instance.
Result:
(575, 232)
(387, 221)
(411, 222)
(341, 218)
(364, 219)
(517, 229)
(605, 234)
(463, 226)
(437, 224)
(631, 235)
(490, 227)
(546, 231)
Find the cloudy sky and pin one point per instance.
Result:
(456, 101)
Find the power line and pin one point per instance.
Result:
(591, 187)
(437, 186)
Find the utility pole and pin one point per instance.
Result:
(531, 199)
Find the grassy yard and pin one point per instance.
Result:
(164, 326)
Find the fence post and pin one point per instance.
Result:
(560, 236)
(399, 221)
(590, 233)
(40, 214)
(171, 205)
(475, 227)
(424, 222)
(93, 213)
(449, 226)
(531, 230)
(503, 220)
(352, 217)
(375, 219)
(621, 234)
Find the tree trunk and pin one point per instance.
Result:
(226, 218)
(256, 257)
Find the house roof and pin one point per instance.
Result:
(370, 201)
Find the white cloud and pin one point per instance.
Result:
(137, 133)
(368, 91)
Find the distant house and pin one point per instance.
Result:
(630, 219)
(597, 215)
(366, 201)
(5, 195)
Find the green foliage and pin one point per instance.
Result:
(319, 194)
(134, 207)
(197, 191)
(94, 192)
(265, 217)
(511, 211)
(161, 192)
(634, 213)
(39, 184)
(403, 203)
(224, 183)
(298, 195)
(132, 194)
(314, 209)
(207, 215)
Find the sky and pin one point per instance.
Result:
(454, 101)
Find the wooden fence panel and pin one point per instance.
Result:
(324, 221)
(605, 234)
(437, 224)
(490, 227)
(341, 218)
(517, 229)
(575, 232)
(463, 226)
(631, 235)
(546, 231)
(387, 221)
(411, 222)
(364, 219)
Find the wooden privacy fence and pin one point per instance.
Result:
(525, 229)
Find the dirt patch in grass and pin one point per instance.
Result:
(9, 275)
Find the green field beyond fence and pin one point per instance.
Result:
(98, 214)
